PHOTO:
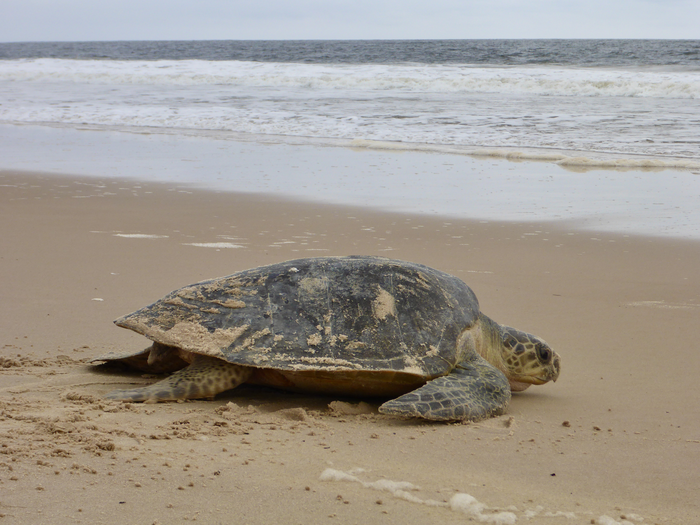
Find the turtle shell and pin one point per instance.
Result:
(326, 314)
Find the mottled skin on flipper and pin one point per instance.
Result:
(203, 378)
(473, 391)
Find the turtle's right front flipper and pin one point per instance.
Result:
(473, 391)
(204, 378)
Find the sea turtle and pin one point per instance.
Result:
(356, 326)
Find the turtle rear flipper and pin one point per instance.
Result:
(473, 391)
(204, 378)
(156, 359)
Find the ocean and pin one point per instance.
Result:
(634, 100)
(604, 134)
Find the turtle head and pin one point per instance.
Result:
(526, 359)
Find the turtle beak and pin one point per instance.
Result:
(556, 367)
(551, 373)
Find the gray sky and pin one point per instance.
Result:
(76, 20)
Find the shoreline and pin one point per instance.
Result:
(95, 186)
(633, 201)
(616, 436)
(577, 160)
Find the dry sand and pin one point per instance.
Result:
(615, 440)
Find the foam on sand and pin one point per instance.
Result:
(140, 236)
(607, 520)
(466, 503)
(577, 162)
(404, 490)
(217, 245)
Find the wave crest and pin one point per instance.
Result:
(368, 77)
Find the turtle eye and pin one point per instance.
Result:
(544, 353)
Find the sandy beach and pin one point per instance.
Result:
(615, 440)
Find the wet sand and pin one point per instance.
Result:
(615, 440)
(634, 200)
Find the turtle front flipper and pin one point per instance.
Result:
(474, 390)
(204, 378)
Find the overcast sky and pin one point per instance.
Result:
(80, 20)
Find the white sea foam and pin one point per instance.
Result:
(470, 506)
(465, 503)
(625, 112)
(607, 520)
(460, 502)
(664, 305)
(140, 236)
(595, 161)
(217, 245)
(367, 77)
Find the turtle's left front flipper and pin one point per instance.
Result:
(473, 391)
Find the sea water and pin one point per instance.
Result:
(581, 104)
(628, 98)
